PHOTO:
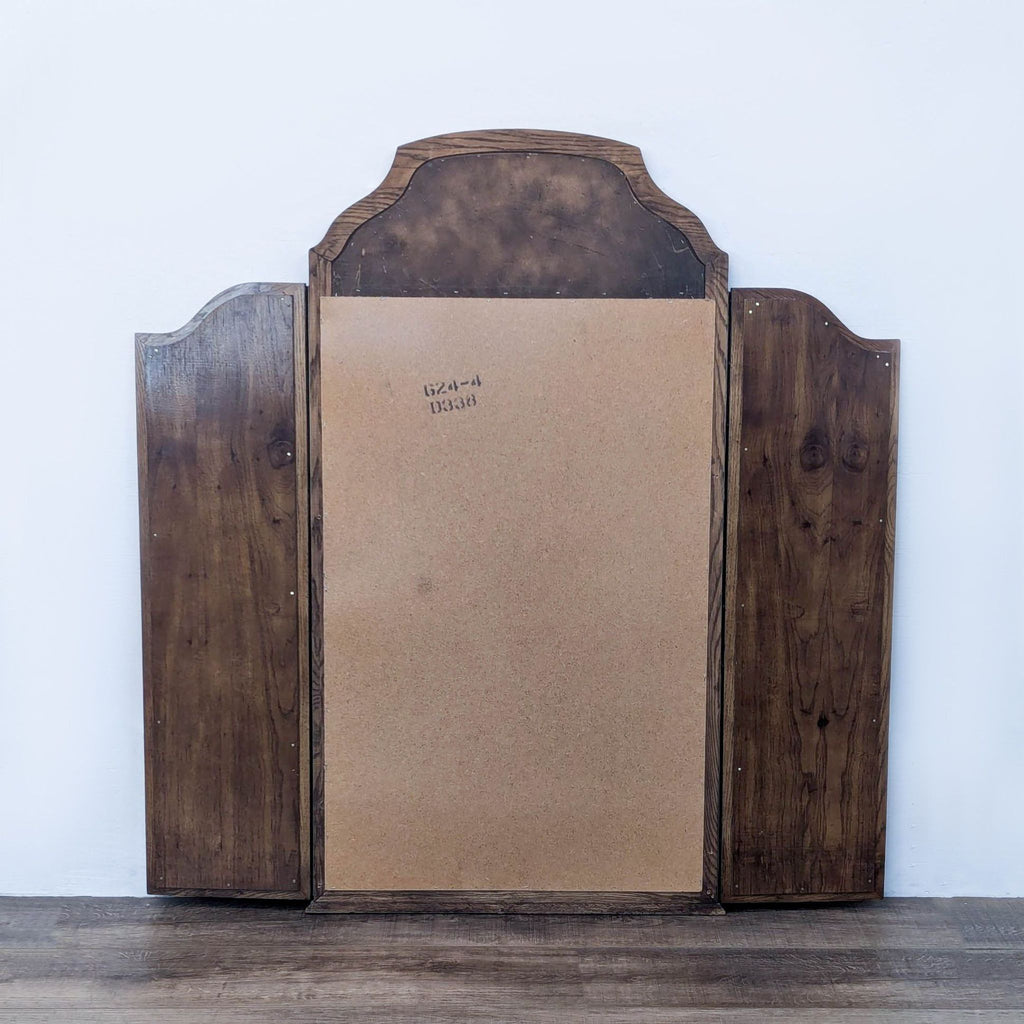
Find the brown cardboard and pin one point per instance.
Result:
(516, 587)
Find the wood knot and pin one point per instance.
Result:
(814, 452)
(855, 456)
(281, 453)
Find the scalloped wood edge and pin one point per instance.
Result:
(881, 346)
(153, 338)
(628, 159)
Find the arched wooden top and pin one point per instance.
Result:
(603, 238)
(747, 302)
(155, 339)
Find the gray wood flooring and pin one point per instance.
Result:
(101, 961)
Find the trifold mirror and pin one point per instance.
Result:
(519, 565)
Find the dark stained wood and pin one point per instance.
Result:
(493, 902)
(578, 196)
(518, 225)
(122, 960)
(222, 486)
(628, 159)
(808, 612)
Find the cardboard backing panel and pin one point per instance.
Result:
(222, 489)
(515, 612)
(812, 494)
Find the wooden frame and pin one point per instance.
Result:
(790, 328)
(628, 161)
(801, 608)
(169, 668)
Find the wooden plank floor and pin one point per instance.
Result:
(101, 961)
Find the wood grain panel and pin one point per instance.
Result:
(585, 252)
(222, 485)
(808, 610)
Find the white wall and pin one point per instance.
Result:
(154, 153)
